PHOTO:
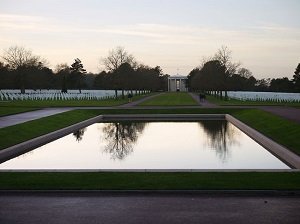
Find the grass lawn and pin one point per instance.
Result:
(235, 102)
(171, 99)
(4, 111)
(149, 181)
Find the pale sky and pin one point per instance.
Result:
(264, 35)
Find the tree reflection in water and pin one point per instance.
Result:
(220, 136)
(79, 134)
(121, 137)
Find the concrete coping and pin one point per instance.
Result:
(31, 144)
(276, 149)
(149, 170)
(163, 117)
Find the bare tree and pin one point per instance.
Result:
(17, 57)
(20, 59)
(62, 73)
(61, 67)
(244, 72)
(204, 60)
(117, 57)
(224, 56)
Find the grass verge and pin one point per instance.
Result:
(4, 111)
(171, 99)
(150, 181)
(283, 131)
(22, 132)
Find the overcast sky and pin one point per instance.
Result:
(264, 35)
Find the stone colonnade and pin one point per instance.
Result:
(177, 84)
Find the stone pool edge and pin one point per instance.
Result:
(278, 150)
(31, 144)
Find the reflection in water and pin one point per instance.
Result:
(121, 137)
(157, 145)
(79, 134)
(220, 136)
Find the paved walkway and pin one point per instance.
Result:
(204, 102)
(135, 103)
(290, 113)
(77, 208)
(29, 116)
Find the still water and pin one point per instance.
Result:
(151, 145)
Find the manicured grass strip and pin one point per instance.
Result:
(150, 181)
(22, 132)
(171, 99)
(235, 102)
(282, 131)
(13, 135)
(4, 111)
(63, 103)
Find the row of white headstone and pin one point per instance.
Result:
(264, 96)
(14, 94)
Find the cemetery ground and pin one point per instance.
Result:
(23, 104)
(281, 130)
(236, 102)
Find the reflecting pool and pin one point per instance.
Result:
(207, 144)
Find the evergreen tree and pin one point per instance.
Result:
(296, 79)
(76, 74)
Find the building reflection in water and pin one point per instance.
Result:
(220, 136)
(120, 138)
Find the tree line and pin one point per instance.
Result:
(219, 74)
(124, 73)
(21, 69)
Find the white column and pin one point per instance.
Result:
(180, 85)
(168, 85)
